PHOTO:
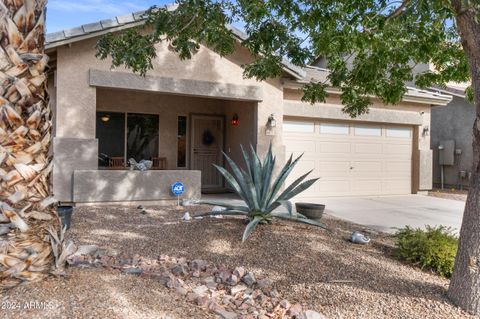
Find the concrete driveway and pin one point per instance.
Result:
(386, 213)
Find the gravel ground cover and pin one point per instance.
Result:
(455, 194)
(320, 270)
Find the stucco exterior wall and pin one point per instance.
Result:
(77, 101)
(453, 122)
(415, 115)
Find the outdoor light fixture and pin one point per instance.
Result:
(271, 121)
(105, 118)
(235, 120)
(426, 129)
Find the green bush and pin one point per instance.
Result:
(434, 248)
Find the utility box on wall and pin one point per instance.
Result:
(446, 152)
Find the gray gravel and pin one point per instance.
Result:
(321, 270)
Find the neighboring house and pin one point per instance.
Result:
(184, 113)
(453, 122)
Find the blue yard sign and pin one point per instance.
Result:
(178, 189)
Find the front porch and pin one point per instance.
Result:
(186, 134)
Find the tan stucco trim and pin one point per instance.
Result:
(411, 96)
(334, 112)
(129, 81)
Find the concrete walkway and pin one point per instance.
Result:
(387, 213)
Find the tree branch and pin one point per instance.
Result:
(398, 11)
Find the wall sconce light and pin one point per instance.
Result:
(426, 129)
(105, 118)
(271, 121)
(235, 120)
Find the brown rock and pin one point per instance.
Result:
(199, 265)
(295, 310)
(239, 272)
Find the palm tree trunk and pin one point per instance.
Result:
(26, 205)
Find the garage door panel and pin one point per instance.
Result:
(396, 186)
(332, 169)
(398, 149)
(299, 146)
(372, 169)
(334, 147)
(368, 148)
(363, 160)
(367, 187)
(331, 187)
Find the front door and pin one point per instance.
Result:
(206, 149)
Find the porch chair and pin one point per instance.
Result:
(116, 163)
(159, 163)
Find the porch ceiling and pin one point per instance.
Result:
(129, 81)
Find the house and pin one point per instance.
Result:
(184, 113)
(451, 134)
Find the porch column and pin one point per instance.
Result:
(74, 144)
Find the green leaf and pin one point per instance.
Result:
(250, 227)
(299, 220)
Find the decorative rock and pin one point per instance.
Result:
(236, 289)
(239, 272)
(249, 279)
(181, 291)
(140, 207)
(274, 293)
(295, 310)
(285, 304)
(168, 280)
(187, 216)
(199, 265)
(86, 250)
(200, 290)
(210, 282)
(358, 238)
(262, 283)
(191, 296)
(133, 271)
(179, 270)
(310, 314)
(223, 276)
(233, 280)
(225, 314)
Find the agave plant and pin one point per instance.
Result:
(261, 191)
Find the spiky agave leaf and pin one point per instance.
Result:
(254, 185)
(250, 227)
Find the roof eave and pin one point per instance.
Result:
(408, 97)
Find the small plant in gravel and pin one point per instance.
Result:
(433, 248)
(261, 192)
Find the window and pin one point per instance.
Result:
(368, 131)
(111, 136)
(142, 136)
(182, 142)
(401, 132)
(299, 127)
(126, 136)
(331, 128)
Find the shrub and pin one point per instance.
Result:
(434, 248)
(261, 191)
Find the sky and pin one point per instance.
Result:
(64, 14)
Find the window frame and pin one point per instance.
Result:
(380, 128)
(331, 124)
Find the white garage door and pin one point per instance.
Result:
(351, 159)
